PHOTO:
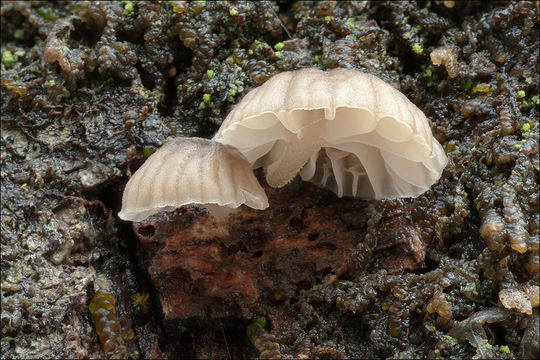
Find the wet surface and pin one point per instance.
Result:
(90, 89)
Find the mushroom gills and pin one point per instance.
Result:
(340, 171)
(410, 149)
(343, 170)
(412, 172)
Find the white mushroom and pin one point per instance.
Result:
(342, 129)
(192, 170)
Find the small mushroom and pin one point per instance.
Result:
(342, 129)
(192, 170)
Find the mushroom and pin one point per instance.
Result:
(192, 170)
(342, 129)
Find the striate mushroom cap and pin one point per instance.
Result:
(342, 129)
(192, 170)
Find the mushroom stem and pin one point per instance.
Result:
(220, 212)
(288, 157)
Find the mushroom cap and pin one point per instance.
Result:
(342, 129)
(191, 170)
